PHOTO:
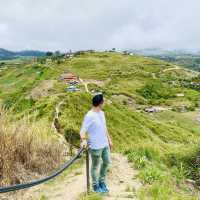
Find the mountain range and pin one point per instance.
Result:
(6, 54)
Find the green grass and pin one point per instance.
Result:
(159, 145)
(91, 196)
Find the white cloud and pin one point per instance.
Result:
(92, 24)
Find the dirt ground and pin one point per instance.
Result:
(124, 99)
(42, 90)
(121, 180)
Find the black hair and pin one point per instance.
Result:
(97, 100)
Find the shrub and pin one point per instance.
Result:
(23, 152)
(142, 156)
(139, 161)
(72, 136)
(179, 172)
(151, 174)
(156, 90)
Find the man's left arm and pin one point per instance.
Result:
(109, 139)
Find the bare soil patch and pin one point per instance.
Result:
(42, 90)
(125, 100)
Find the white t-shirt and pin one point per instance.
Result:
(94, 124)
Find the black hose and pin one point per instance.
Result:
(37, 182)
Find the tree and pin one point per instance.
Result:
(2, 63)
(57, 53)
(49, 53)
(41, 60)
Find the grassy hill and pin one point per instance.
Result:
(164, 146)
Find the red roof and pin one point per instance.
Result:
(68, 76)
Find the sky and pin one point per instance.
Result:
(99, 24)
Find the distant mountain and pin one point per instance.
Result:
(6, 54)
(31, 53)
(164, 52)
(148, 52)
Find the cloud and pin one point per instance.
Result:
(92, 24)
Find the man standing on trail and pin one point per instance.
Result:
(98, 141)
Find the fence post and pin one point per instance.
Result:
(88, 170)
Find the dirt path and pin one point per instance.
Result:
(89, 81)
(69, 189)
(121, 180)
(153, 75)
(191, 72)
(64, 188)
(55, 125)
(56, 115)
(173, 68)
(85, 85)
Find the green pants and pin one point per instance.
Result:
(100, 162)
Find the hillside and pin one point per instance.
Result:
(188, 58)
(162, 144)
(191, 61)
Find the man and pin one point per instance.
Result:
(99, 143)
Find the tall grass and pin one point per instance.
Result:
(25, 151)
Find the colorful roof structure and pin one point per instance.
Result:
(68, 77)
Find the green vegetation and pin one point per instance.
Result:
(156, 91)
(163, 146)
(188, 60)
(91, 196)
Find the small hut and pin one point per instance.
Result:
(68, 77)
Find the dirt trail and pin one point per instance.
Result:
(121, 180)
(55, 127)
(67, 188)
(173, 68)
(85, 82)
(191, 72)
(85, 85)
(153, 75)
(56, 115)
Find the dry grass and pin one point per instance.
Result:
(25, 153)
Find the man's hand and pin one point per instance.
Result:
(84, 143)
